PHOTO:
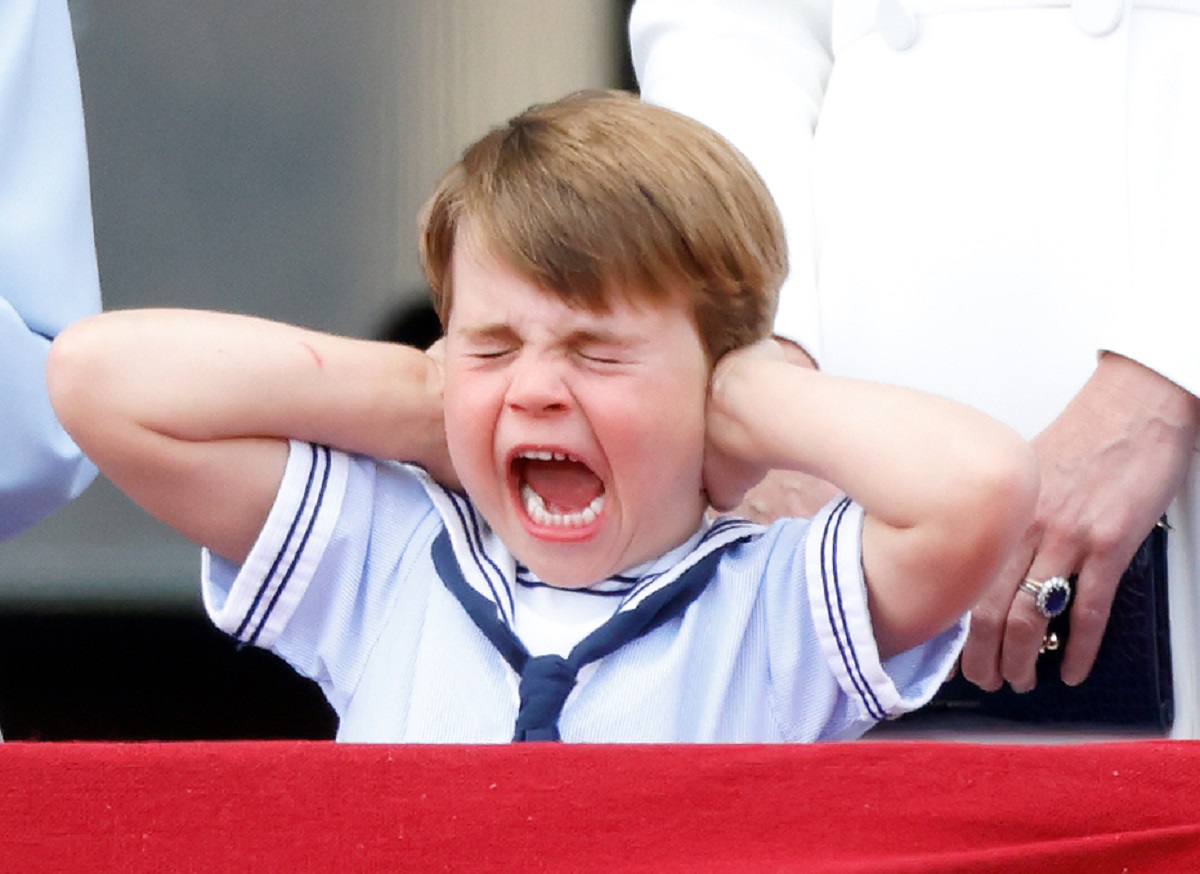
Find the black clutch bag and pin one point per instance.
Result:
(1130, 683)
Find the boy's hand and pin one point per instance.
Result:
(441, 469)
(787, 493)
(730, 468)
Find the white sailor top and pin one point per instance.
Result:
(394, 595)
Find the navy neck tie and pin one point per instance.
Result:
(547, 680)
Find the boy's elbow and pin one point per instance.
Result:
(75, 378)
(986, 497)
(1000, 507)
(1015, 486)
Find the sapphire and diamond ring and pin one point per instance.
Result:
(1051, 597)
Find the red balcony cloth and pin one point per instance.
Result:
(890, 807)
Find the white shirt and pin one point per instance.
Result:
(341, 583)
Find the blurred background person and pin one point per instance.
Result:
(48, 272)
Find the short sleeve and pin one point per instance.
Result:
(344, 534)
(255, 601)
(827, 679)
(838, 598)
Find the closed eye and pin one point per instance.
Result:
(488, 342)
(600, 359)
(602, 352)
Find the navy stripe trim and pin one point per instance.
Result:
(317, 454)
(266, 581)
(527, 583)
(724, 523)
(484, 613)
(720, 528)
(617, 584)
(839, 622)
(470, 528)
(654, 610)
(312, 522)
(542, 693)
(300, 550)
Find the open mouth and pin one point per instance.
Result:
(558, 490)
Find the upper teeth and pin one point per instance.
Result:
(546, 455)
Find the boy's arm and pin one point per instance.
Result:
(189, 412)
(947, 491)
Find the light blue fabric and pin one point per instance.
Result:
(341, 583)
(47, 256)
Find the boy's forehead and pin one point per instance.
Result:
(502, 302)
(484, 282)
(515, 302)
(490, 293)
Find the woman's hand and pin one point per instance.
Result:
(1110, 465)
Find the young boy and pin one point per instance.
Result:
(541, 567)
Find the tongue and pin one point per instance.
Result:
(565, 486)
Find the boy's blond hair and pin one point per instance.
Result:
(601, 193)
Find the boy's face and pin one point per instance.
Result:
(579, 436)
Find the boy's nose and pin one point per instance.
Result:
(536, 386)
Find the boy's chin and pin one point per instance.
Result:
(577, 559)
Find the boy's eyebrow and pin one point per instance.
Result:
(493, 332)
(501, 332)
(603, 336)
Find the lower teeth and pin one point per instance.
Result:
(535, 506)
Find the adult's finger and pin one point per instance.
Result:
(1025, 629)
(785, 493)
(980, 659)
(1090, 609)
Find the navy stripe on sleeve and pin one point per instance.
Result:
(273, 583)
(835, 610)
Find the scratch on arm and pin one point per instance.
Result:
(315, 354)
